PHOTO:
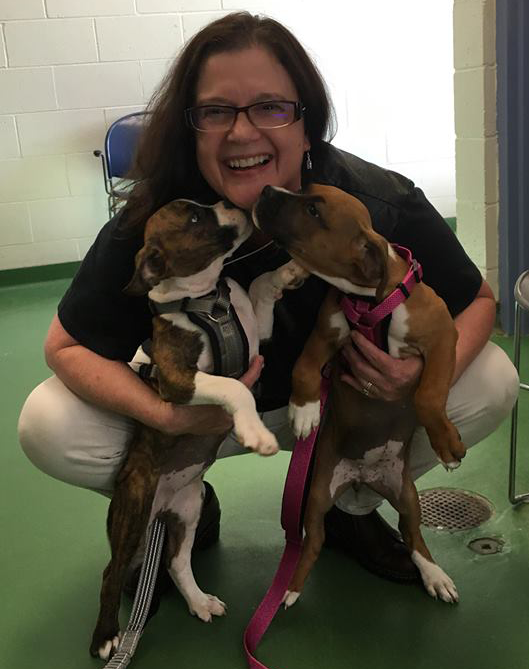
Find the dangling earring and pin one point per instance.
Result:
(308, 161)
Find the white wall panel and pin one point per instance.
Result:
(192, 23)
(26, 90)
(47, 133)
(33, 178)
(21, 9)
(50, 42)
(98, 85)
(152, 74)
(8, 138)
(64, 8)
(85, 174)
(391, 81)
(41, 253)
(138, 37)
(66, 218)
(15, 227)
(161, 6)
(3, 57)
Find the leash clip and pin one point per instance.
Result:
(416, 269)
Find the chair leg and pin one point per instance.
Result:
(513, 497)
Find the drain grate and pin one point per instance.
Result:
(452, 509)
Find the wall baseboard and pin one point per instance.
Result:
(23, 275)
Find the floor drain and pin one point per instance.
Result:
(453, 509)
(486, 545)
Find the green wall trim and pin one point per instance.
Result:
(15, 277)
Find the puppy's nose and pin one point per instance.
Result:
(267, 191)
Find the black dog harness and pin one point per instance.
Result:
(214, 314)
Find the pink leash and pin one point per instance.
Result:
(291, 522)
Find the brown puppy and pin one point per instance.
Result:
(363, 440)
(185, 246)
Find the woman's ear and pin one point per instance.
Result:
(306, 144)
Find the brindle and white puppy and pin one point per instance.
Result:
(363, 440)
(185, 246)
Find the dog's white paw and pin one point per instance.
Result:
(290, 276)
(290, 598)
(436, 580)
(252, 434)
(304, 419)
(109, 647)
(207, 606)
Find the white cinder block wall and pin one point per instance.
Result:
(477, 137)
(68, 68)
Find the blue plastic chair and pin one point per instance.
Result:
(116, 159)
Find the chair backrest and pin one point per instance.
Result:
(120, 143)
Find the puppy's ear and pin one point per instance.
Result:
(375, 265)
(150, 269)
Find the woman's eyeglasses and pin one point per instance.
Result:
(221, 118)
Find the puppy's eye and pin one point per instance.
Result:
(313, 211)
(194, 218)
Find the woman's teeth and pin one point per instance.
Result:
(242, 163)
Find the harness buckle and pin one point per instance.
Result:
(403, 290)
(220, 318)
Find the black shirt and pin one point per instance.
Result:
(97, 313)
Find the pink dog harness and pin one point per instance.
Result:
(367, 318)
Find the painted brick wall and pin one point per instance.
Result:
(477, 139)
(69, 68)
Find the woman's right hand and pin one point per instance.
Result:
(199, 419)
(202, 419)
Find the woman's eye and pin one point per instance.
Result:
(313, 211)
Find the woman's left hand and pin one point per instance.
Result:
(378, 375)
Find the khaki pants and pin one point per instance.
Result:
(82, 444)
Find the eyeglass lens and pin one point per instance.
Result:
(269, 114)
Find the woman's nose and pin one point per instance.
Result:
(243, 128)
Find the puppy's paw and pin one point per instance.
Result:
(304, 419)
(207, 606)
(105, 649)
(251, 433)
(290, 276)
(449, 448)
(290, 598)
(436, 580)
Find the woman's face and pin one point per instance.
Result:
(238, 79)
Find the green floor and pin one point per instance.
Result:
(54, 549)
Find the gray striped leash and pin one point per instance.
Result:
(143, 597)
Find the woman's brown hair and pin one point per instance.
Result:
(165, 167)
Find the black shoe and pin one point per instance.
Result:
(207, 534)
(208, 528)
(373, 543)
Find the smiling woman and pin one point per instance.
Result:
(241, 109)
(231, 160)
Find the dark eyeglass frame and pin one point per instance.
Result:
(299, 110)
